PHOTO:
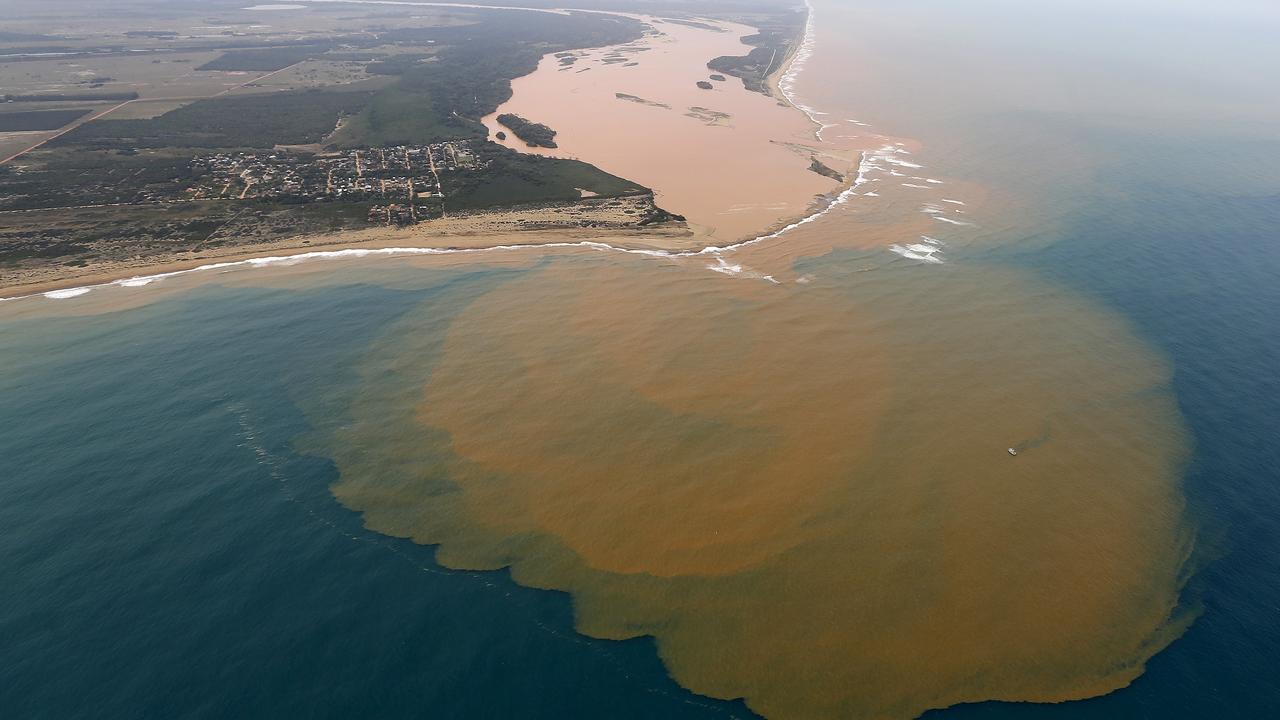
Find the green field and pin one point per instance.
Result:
(263, 59)
(38, 119)
(240, 121)
(123, 185)
(514, 178)
(395, 116)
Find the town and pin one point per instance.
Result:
(404, 181)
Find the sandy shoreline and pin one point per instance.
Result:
(38, 281)
(774, 79)
(495, 230)
(477, 233)
(734, 162)
(773, 82)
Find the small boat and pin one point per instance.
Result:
(1012, 451)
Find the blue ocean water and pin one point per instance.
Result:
(166, 553)
(1140, 141)
(1198, 272)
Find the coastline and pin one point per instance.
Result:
(459, 236)
(742, 173)
(665, 241)
(773, 81)
(559, 367)
(779, 80)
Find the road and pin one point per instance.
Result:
(114, 108)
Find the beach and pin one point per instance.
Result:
(701, 163)
(980, 429)
(735, 163)
(64, 283)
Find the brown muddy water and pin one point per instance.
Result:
(794, 473)
(788, 462)
(731, 161)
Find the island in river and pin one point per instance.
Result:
(322, 131)
(772, 465)
(533, 134)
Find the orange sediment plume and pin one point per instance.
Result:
(731, 161)
(791, 474)
(801, 494)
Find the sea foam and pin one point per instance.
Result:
(64, 294)
(871, 161)
(787, 83)
(914, 251)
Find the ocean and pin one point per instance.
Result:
(579, 483)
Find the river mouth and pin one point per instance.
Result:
(735, 163)
(786, 462)
(803, 494)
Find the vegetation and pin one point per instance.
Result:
(74, 97)
(507, 177)
(8, 36)
(469, 75)
(63, 178)
(75, 236)
(122, 187)
(263, 59)
(770, 47)
(817, 166)
(532, 133)
(38, 119)
(395, 116)
(40, 50)
(245, 121)
(691, 23)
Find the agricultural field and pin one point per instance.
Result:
(150, 76)
(28, 120)
(186, 132)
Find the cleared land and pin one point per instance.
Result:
(28, 120)
(223, 130)
(296, 135)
